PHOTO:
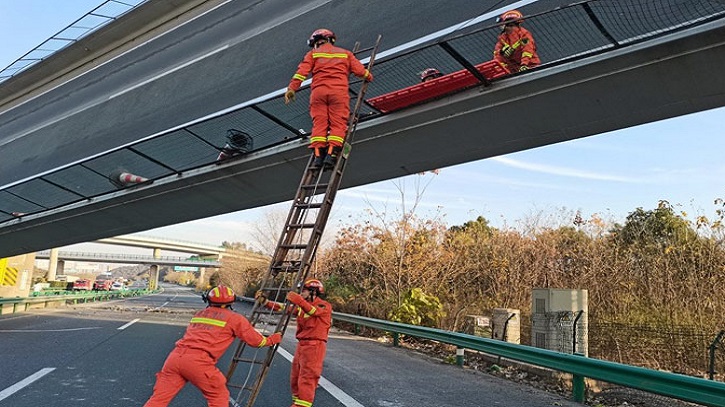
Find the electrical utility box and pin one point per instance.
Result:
(559, 320)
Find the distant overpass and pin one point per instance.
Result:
(129, 259)
(200, 249)
(209, 256)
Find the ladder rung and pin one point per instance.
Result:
(284, 265)
(301, 225)
(240, 386)
(253, 361)
(315, 186)
(286, 269)
(309, 205)
(293, 246)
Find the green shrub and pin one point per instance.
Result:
(419, 308)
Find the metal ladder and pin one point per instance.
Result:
(292, 258)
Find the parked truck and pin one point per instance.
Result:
(102, 284)
(82, 284)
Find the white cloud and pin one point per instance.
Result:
(562, 171)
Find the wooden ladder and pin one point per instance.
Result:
(292, 258)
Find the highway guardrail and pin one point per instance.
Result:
(686, 388)
(18, 304)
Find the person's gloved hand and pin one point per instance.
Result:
(260, 298)
(523, 68)
(274, 339)
(507, 51)
(289, 96)
(369, 78)
(295, 298)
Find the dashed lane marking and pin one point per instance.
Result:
(120, 328)
(25, 382)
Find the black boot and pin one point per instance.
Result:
(331, 157)
(319, 158)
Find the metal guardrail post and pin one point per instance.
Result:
(460, 352)
(396, 339)
(578, 386)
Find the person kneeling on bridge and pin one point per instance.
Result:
(194, 357)
(515, 49)
(330, 67)
(314, 318)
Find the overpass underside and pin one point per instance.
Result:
(658, 79)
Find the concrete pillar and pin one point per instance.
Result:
(60, 269)
(157, 253)
(202, 271)
(52, 264)
(154, 277)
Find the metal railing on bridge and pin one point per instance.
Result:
(564, 34)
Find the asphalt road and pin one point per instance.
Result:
(106, 354)
(235, 53)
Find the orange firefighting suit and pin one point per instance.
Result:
(330, 99)
(522, 50)
(194, 358)
(313, 324)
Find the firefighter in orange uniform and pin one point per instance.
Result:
(330, 67)
(194, 358)
(515, 49)
(314, 317)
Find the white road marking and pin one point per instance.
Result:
(25, 382)
(48, 330)
(120, 328)
(335, 391)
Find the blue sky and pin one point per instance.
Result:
(679, 160)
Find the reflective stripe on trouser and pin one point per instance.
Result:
(191, 365)
(330, 112)
(306, 371)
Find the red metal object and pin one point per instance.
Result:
(435, 88)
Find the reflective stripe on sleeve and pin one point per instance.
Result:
(298, 76)
(208, 321)
(328, 55)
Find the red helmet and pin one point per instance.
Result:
(221, 295)
(511, 15)
(315, 286)
(321, 34)
(430, 73)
